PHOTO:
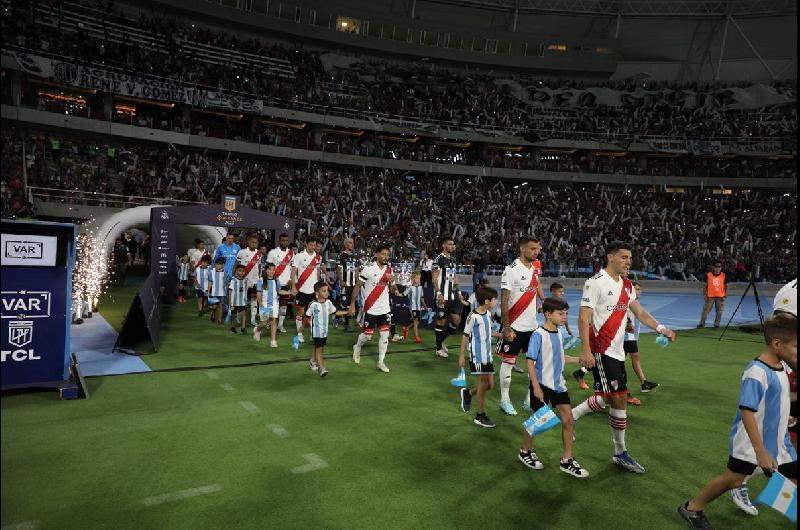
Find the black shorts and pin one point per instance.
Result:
(183, 283)
(788, 470)
(252, 292)
(284, 299)
(481, 369)
(377, 321)
(510, 350)
(610, 377)
(319, 342)
(238, 309)
(200, 293)
(630, 346)
(303, 299)
(416, 315)
(450, 307)
(550, 396)
(345, 297)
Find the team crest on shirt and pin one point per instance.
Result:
(506, 347)
(614, 385)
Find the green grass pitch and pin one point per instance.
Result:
(397, 450)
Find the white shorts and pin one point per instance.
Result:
(267, 312)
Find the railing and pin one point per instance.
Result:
(93, 198)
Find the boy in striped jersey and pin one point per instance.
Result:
(545, 359)
(238, 298)
(416, 300)
(478, 337)
(269, 291)
(631, 347)
(217, 289)
(202, 274)
(319, 312)
(759, 436)
(183, 277)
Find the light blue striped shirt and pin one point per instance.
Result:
(415, 297)
(320, 313)
(203, 275)
(219, 284)
(478, 328)
(269, 296)
(547, 350)
(238, 289)
(183, 271)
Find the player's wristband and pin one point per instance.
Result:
(660, 328)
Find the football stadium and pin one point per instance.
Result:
(399, 264)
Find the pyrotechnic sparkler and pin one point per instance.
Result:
(90, 273)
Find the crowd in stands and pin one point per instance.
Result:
(425, 92)
(674, 234)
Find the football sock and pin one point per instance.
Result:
(440, 336)
(298, 322)
(618, 419)
(364, 337)
(281, 318)
(505, 381)
(347, 322)
(593, 404)
(528, 398)
(584, 371)
(253, 311)
(405, 332)
(383, 344)
(392, 330)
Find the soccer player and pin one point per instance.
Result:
(319, 312)
(238, 297)
(217, 289)
(282, 256)
(183, 277)
(202, 277)
(269, 290)
(759, 436)
(228, 250)
(478, 337)
(250, 259)
(601, 323)
(520, 286)
(545, 359)
(375, 280)
(347, 274)
(445, 284)
(416, 300)
(305, 274)
(196, 254)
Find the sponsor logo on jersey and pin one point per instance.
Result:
(617, 307)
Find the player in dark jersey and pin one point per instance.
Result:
(445, 285)
(347, 274)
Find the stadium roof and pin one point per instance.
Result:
(638, 8)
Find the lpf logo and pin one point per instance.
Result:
(229, 204)
(20, 334)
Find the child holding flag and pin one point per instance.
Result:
(759, 436)
(545, 359)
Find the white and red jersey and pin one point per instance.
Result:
(249, 258)
(522, 284)
(282, 259)
(375, 281)
(195, 255)
(609, 301)
(307, 266)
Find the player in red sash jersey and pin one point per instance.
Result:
(520, 287)
(606, 298)
(375, 279)
(281, 256)
(305, 274)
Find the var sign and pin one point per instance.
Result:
(25, 304)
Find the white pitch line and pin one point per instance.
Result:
(230, 389)
(184, 494)
(278, 430)
(314, 463)
(249, 406)
(212, 375)
(25, 525)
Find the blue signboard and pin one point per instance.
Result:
(35, 306)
